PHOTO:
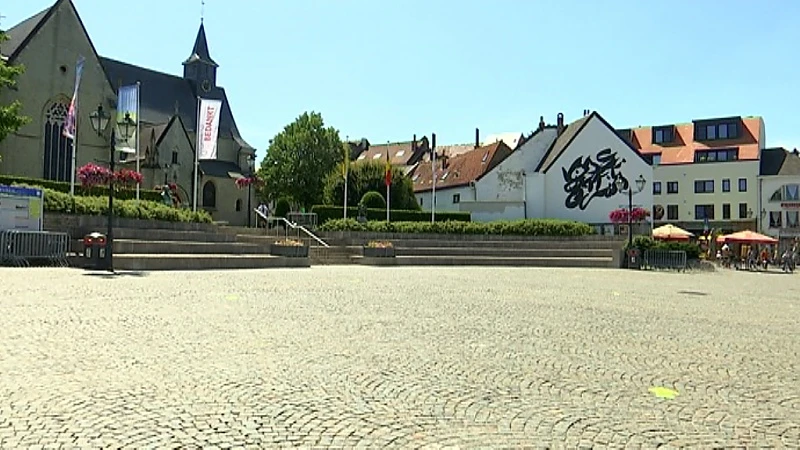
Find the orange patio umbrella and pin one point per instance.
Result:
(747, 237)
(670, 232)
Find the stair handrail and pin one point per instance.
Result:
(292, 225)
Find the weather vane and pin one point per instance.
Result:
(202, 10)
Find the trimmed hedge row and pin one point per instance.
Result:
(55, 201)
(644, 243)
(527, 227)
(100, 191)
(326, 212)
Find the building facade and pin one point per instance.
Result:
(705, 172)
(49, 43)
(779, 193)
(562, 171)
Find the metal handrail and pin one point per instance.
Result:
(291, 225)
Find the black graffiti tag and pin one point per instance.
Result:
(587, 179)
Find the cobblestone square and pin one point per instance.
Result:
(400, 357)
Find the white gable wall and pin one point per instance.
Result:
(596, 193)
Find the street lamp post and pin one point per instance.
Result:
(251, 165)
(640, 183)
(99, 120)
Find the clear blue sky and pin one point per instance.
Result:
(386, 69)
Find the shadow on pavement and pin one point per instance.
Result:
(117, 274)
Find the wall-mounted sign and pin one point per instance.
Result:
(790, 205)
(21, 208)
(586, 178)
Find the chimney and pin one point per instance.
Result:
(541, 123)
(477, 138)
(414, 145)
(560, 123)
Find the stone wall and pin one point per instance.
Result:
(363, 235)
(78, 226)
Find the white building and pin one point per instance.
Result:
(560, 171)
(779, 193)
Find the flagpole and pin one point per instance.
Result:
(433, 175)
(388, 182)
(196, 157)
(74, 162)
(138, 121)
(346, 170)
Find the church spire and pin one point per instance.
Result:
(199, 67)
(200, 50)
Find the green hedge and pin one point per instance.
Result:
(644, 243)
(325, 213)
(60, 202)
(60, 186)
(528, 227)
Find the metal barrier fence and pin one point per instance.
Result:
(308, 220)
(665, 259)
(25, 248)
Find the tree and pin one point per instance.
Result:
(299, 158)
(366, 176)
(11, 118)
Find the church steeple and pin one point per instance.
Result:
(199, 67)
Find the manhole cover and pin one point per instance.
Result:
(692, 293)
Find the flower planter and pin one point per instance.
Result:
(379, 252)
(289, 251)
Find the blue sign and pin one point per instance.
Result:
(20, 191)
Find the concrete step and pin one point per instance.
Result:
(485, 261)
(244, 231)
(128, 246)
(204, 262)
(171, 235)
(532, 244)
(506, 252)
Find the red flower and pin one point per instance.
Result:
(242, 183)
(622, 215)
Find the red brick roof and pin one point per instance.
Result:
(682, 149)
(460, 170)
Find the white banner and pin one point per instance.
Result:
(208, 128)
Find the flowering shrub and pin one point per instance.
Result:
(242, 183)
(621, 215)
(379, 244)
(289, 243)
(93, 175)
(128, 177)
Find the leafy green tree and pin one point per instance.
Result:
(366, 176)
(11, 118)
(299, 158)
(373, 200)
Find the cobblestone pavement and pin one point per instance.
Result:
(341, 357)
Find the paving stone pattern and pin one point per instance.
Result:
(343, 357)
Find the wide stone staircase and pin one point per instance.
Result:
(160, 249)
(493, 251)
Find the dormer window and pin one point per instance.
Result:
(717, 130)
(663, 135)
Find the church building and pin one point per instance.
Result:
(49, 44)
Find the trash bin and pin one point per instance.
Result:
(634, 258)
(94, 250)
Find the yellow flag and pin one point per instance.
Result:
(346, 163)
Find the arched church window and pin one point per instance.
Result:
(238, 204)
(57, 148)
(209, 195)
